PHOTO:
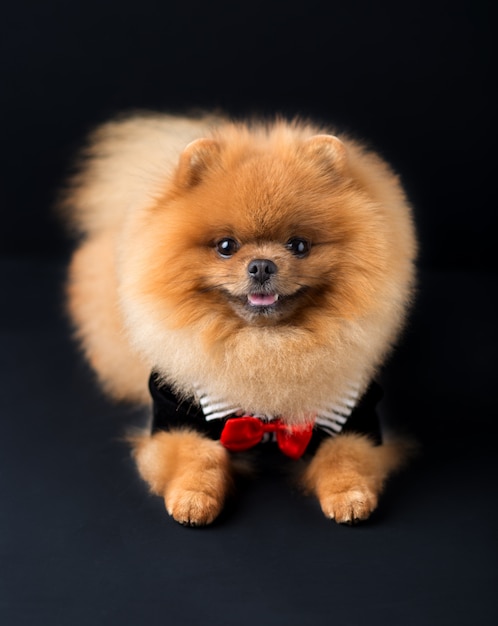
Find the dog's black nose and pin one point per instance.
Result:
(261, 269)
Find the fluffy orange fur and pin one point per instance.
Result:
(192, 473)
(149, 287)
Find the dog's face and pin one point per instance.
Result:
(264, 282)
(272, 270)
(261, 237)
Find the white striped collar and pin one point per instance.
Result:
(330, 419)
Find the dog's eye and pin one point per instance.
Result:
(227, 247)
(298, 246)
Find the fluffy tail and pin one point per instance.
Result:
(123, 167)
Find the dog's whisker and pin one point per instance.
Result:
(217, 287)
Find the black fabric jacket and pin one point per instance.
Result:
(170, 413)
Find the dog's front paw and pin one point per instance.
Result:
(192, 473)
(193, 508)
(347, 475)
(350, 506)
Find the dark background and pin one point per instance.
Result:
(81, 542)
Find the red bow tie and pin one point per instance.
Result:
(242, 433)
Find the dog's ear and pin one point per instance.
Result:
(195, 160)
(328, 150)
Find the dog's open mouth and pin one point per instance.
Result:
(270, 307)
(262, 299)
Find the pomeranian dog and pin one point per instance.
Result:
(262, 273)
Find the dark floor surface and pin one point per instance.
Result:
(81, 541)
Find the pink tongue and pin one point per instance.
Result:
(257, 299)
